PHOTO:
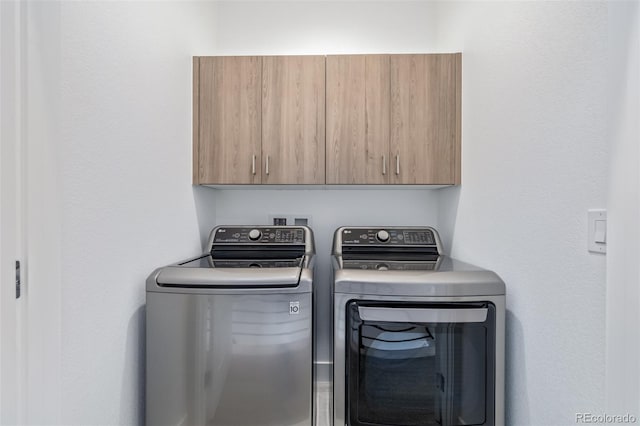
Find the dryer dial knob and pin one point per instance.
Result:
(255, 234)
(382, 236)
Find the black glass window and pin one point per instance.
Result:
(420, 373)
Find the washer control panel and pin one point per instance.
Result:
(260, 235)
(387, 236)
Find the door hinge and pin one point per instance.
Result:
(17, 279)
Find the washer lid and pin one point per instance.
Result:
(207, 261)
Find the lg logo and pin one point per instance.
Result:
(294, 308)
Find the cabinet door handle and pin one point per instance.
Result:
(253, 164)
(397, 164)
(384, 165)
(267, 165)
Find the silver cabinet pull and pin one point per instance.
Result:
(267, 165)
(384, 165)
(397, 164)
(403, 315)
(253, 164)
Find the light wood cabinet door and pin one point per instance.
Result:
(227, 115)
(293, 120)
(425, 119)
(358, 99)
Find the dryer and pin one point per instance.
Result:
(418, 336)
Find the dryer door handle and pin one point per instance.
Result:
(430, 315)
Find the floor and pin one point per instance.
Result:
(323, 402)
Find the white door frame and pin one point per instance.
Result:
(12, 309)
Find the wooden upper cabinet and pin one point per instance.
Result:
(293, 119)
(227, 118)
(358, 99)
(390, 119)
(425, 118)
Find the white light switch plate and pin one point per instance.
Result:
(597, 231)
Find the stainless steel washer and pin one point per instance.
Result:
(229, 333)
(418, 336)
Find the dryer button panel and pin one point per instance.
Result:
(379, 236)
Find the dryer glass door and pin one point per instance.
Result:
(420, 364)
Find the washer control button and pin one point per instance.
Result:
(382, 236)
(255, 234)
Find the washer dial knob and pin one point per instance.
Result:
(382, 236)
(255, 234)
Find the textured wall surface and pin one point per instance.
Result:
(535, 158)
(324, 27)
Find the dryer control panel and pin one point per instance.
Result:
(389, 248)
(410, 243)
(388, 236)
